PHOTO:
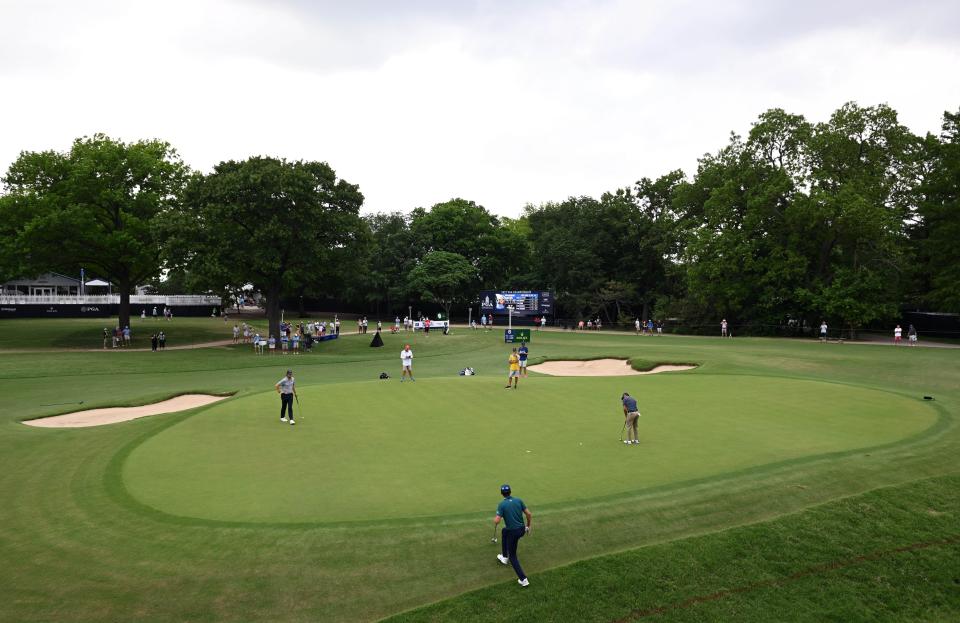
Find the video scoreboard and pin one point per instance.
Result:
(523, 302)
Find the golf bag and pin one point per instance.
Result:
(384, 375)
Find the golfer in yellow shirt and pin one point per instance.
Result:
(514, 361)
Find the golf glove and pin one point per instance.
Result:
(526, 530)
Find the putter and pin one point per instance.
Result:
(623, 428)
(297, 398)
(494, 539)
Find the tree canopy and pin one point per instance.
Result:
(95, 206)
(272, 223)
(443, 277)
(851, 219)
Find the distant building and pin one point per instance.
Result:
(53, 295)
(49, 284)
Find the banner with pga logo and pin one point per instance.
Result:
(516, 335)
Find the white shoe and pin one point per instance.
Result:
(636, 441)
(502, 560)
(283, 419)
(292, 422)
(524, 582)
(627, 441)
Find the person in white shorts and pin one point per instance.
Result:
(823, 330)
(406, 360)
(723, 328)
(912, 335)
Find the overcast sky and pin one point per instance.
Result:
(501, 102)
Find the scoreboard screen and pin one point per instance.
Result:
(523, 302)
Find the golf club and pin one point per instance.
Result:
(298, 405)
(60, 404)
(623, 428)
(494, 539)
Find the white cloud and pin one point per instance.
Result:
(498, 103)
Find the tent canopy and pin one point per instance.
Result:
(97, 282)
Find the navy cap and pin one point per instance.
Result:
(505, 489)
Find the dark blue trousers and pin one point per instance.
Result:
(286, 402)
(510, 538)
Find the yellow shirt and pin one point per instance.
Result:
(514, 361)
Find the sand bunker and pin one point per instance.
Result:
(112, 415)
(599, 367)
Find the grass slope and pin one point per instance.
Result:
(887, 555)
(86, 333)
(76, 545)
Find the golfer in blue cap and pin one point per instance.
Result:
(511, 510)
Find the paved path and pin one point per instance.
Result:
(117, 350)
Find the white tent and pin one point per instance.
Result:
(97, 283)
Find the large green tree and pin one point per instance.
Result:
(391, 254)
(862, 193)
(460, 226)
(938, 231)
(94, 206)
(279, 225)
(802, 221)
(603, 256)
(444, 278)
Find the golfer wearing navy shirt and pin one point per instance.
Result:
(523, 352)
(511, 510)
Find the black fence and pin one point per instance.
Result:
(69, 310)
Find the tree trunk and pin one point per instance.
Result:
(646, 311)
(124, 313)
(273, 312)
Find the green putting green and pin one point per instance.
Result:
(384, 450)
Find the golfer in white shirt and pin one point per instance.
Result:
(287, 389)
(406, 359)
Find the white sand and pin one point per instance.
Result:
(598, 367)
(112, 415)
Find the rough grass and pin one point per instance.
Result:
(890, 554)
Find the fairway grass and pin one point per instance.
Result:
(87, 333)
(360, 448)
(379, 500)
